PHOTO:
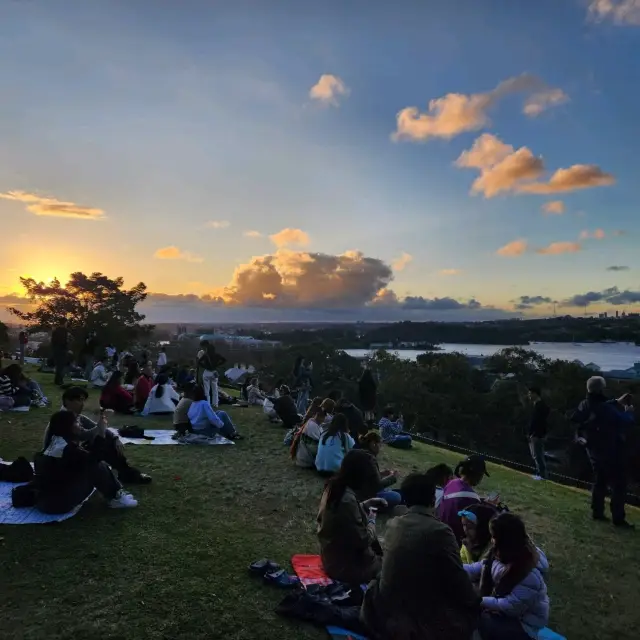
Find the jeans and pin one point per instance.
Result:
(303, 400)
(536, 447)
(228, 429)
(60, 364)
(401, 442)
(497, 627)
(210, 386)
(105, 450)
(609, 474)
(393, 498)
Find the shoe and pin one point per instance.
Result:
(123, 500)
(537, 478)
(623, 524)
(261, 567)
(600, 517)
(281, 579)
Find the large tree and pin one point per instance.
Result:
(92, 303)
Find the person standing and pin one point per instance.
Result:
(603, 425)
(88, 354)
(23, 339)
(538, 428)
(60, 348)
(208, 360)
(162, 358)
(367, 391)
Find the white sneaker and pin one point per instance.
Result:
(537, 478)
(123, 500)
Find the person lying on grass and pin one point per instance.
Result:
(422, 590)
(305, 443)
(349, 546)
(107, 447)
(515, 604)
(380, 480)
(335, 442)
(206, 421)
(114, 396)
(67, 472)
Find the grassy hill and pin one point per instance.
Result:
(175, 567)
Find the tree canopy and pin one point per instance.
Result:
(91, 304)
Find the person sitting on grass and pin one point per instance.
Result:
(114, 396)
(355, 419)
(515, 604)
(305, 443)
(14, 396)
(255, 397)
(108, 447)
(334, 445)
(163, 398)
(143, 387)
(208, 422)
(476, 543)
(381, 480)
(349, 546)
(181, 414)
(391, 425)
(132, 373)
(185, 377)
(285, 408)
(99, 374)
(67, 472)
(441, 475)
(312, 409)
(422, 590)
(460, 492)
(26, 390)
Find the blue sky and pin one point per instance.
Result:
(169, 117)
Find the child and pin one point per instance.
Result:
(477, 537)
(515, 604)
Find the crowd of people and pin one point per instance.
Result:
(452, 562)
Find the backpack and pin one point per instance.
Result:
(20, 470)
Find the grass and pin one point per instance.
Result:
(176, 566)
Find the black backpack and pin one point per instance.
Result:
(19, 470)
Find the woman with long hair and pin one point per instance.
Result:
(305, 443)
(115, 397)
(349, 545)
(67, 473)
(515, 605)
(334, 445)
(381, 480)
(367, 391)
(132, 373)
(207, 421)
(162, 399)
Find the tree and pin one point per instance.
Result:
(92, 303)
(4, 334)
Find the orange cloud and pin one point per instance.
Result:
(554, 207)
(288, 237)
(173, 253)
(301, 279)
(400, 263)
(513, 249)
(456, 113)
(598, 234)
(557, 248)
(52, 207)
(620, 12)
(218, 224)
(328, 89)
(579, 176)
(543, 100)
(450, 272)
(501, 167)
(252, 234)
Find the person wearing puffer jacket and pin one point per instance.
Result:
(515, 605)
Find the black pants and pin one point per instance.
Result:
(60, 364)
(63, 498)
(105, 450)
(609, 474)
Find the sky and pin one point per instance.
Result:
(449, 160)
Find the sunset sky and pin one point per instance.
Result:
(438, 159)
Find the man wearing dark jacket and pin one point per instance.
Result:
(423, 590)
(602, 427)
(60, 348)
(538, 432)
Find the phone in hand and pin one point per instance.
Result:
(493, 497)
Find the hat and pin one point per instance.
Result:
(475, 463)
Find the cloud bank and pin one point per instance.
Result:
(52, 207)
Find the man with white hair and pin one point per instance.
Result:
(602, 427)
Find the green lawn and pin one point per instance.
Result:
(176, 566)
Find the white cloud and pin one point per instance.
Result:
(620, 12)
(174, 253)
(450, 272)
(543, 100)
(513, 249)
(52, 207)
(288, 237)
(329, 89)
(400, 263)
(554, 207)
(558, 248)
(218, 224)
(252, 234)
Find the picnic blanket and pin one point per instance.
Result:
(27, 515)
(164, 437)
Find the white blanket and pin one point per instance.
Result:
(164, 436)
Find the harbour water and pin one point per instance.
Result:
(608, 356)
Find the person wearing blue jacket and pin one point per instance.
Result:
(603, 425)
(515, 605)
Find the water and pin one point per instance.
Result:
(608, 356)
